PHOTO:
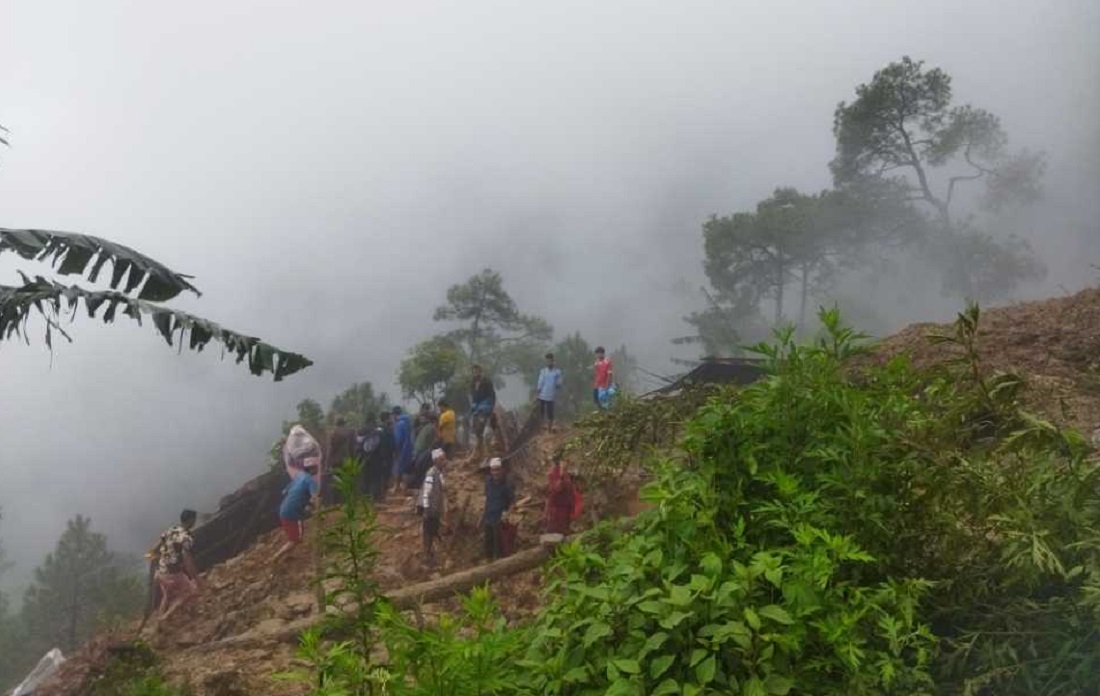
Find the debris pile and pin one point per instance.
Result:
(1054, 344)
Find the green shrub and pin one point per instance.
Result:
(823, 531)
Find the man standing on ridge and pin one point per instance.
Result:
(550, 381)
(483, 399)
(603, 376)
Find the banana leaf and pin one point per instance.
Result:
(51, 300)
(73, 253)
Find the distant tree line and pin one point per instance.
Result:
(913, 173)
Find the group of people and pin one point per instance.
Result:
(550, 382)
(399, 451)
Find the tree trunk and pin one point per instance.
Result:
(802, 303)
(403, 598)
(779, 283)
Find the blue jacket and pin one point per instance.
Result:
(403, 443)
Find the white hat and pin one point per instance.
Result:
(495, 463)
(438, 454)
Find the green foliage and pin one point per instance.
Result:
(791, 241)
(607, 443)
(352, 556)
(823, 531)
(147, 283)
(78, 585)
(731, 320)
(355, 404)
(429, 371)
(493, 332)
(472, 653)
(900, 130)
(351, 598)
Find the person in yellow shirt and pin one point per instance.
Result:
(447, 428)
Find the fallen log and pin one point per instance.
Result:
(403, 598)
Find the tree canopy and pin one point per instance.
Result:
(903, 134)
(429, 371)
(902, 127)
(77, 585)
(492, 330)
(357, 403)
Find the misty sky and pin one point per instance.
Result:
(327, 169)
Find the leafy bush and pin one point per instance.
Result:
(823, 531)
(471, 653)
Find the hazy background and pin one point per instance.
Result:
(326, 170)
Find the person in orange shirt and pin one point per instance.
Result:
(447, 428)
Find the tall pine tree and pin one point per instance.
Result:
(78, 584)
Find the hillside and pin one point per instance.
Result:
(249, 593)
(1054, 343)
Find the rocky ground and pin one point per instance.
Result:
(252, 593)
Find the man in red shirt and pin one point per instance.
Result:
(603, 374)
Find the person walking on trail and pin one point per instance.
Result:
(561, 498)
(292, 511)
(176, 576)
(483, 399)
(299, 450)
(432, 503)
(499, 498)
(550, 381)
(448, 428)
(601, 384)
(403, 447)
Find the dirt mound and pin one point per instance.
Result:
(1054, 343)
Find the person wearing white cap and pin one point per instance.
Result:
(499, 497)
(432, 503)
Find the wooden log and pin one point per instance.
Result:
(403, 598)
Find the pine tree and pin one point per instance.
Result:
(79, 583)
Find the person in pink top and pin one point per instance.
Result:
(603, 376)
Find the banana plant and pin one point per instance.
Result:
(138, 286)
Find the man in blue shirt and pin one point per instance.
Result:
(548, 385)
(292, 512)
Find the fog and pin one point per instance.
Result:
(326, 170)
